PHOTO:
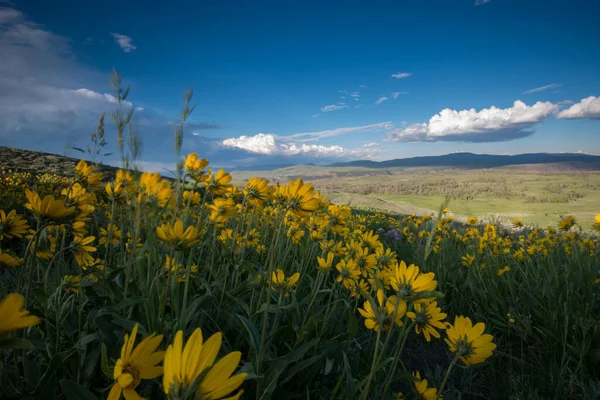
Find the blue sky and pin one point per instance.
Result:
(306, 81)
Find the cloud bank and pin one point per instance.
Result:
(586, 108)
(487, 125)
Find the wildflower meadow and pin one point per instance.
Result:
(143, 286)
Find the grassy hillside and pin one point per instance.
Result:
(539, 194)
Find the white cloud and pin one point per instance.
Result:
(542, 88)
(343, 97)
(296, 144)
(488, 124)
(124, 42)
(362, 86)
(272, 145)
(565, 102)
(401, 75)
(355, 95)
(90, 94)
(396, 94)
(381, 100)
(481, 2)
(139, 109)
(195, 134)
(333, 107)
(260, 143)
(586, 108)
(312, 136)
(9, 15)
(371, 145)
(315, 115)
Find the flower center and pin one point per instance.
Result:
(134, 372)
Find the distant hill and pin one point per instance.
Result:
(471, 160)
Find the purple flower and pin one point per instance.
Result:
(394, 233)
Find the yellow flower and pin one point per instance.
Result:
(349, 273)
(49, 210)
(427, 317)
(72, 283)
(468, 260)
(386, 258)
(135, 365)
(13, 316)
(176, 237)
(193, 164)
(218, 184)
(12, 225)
(184, 366)
(114, 190)
(111, 230)
(81, 249)
(178, 269)
(597, 223)
(360, 288)
(281, 284)
(299, 198)
(566, 223)
(364, 261)
(468, 341)
(325, 264)
(407, 281)
(221, 210)
(8, 261)
(190, 197)
(382, 316)
(517, 223)
(425, 392)
(504, 270)
(156, 189)
(510, 319)
(371, 240)
(86, 173)
(472, 221)
(257, 191)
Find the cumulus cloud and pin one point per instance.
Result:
(487, 125)
(333, 107)
(269, 144)
(401, 75)
(124, 42)
(542, 88)
(296, 144)
(260, 143)
(586, 108)
(381, 100)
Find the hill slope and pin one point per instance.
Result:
(471, 160)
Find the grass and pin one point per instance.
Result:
(539, 197)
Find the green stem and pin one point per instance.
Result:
(439, 395)
(373, 364)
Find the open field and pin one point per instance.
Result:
(278, 293)
(538, 194)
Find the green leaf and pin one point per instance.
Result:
(53, 366)
(104, 361)
(16, 343)
(74, 391)
(253, 337)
